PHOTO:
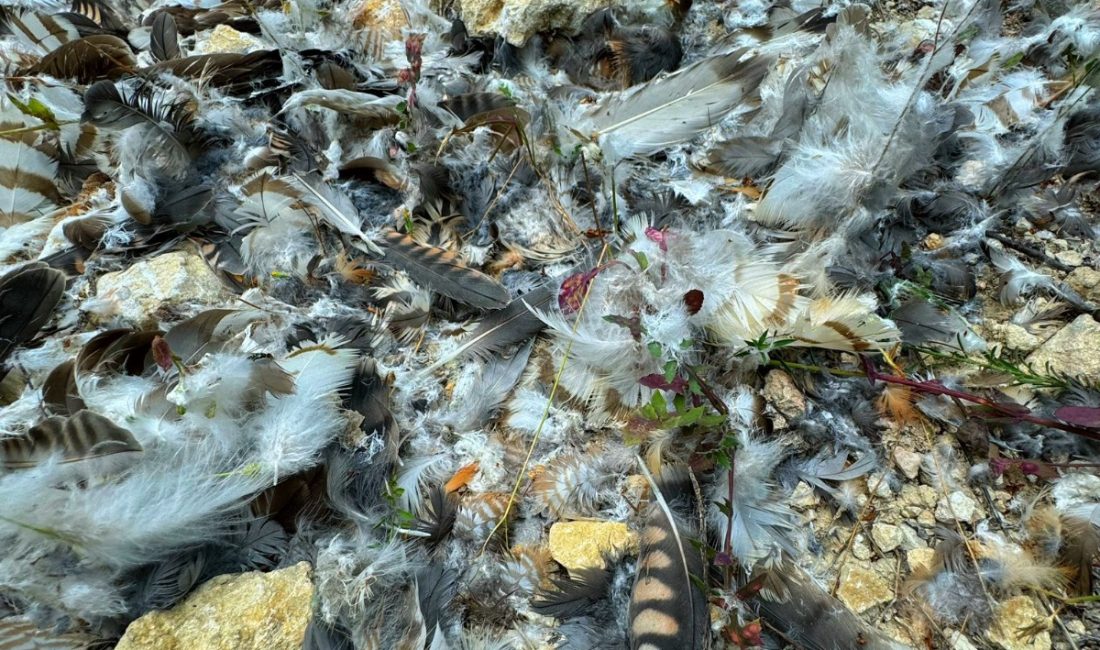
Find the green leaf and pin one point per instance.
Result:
(680, 403)
(660, 406)
(1012, 61)
(686, 343)
(36, 109)
(692, 416)
(655, 349)
(648, 412)
(643, 261)
(712, 420)
(670, 370)
(724, 507)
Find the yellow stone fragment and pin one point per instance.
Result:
(582, 544)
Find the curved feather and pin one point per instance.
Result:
(441, 271)
(673, 109)
(28, 297)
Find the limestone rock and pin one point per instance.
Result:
(908, 462)
(177, 278)
(1085, 280)
(386, 17)
(225, 39)
(518, 20)
(1013, 617)
(1074, 349)
(247, 611)
(887, 536)
(580, 544)
(861, 589)
(781, 392)
(920, 559)
(803, 497)
(958, 506)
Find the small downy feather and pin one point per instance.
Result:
(28, 296)
(441, 271)
(668, 611)
(673, 109)
(750, 156)
(84, 436)
(20, 633)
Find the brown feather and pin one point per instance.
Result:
(442, 272)
(84, 436)
(87, 59)
(28, 296)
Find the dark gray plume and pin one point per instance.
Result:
(83, 436)
(106, 107)
(668, 610)
(750, 156)
(194, 337)
(184, 208)
(322, 636)
(471, 104)
(436, 586)
(441, 271)
(263, 543)
(812, 619)
(437, 517)
(369, 396)
(503, 328)
(572, 594)
(163, 39)
(171, 580)
(332, 76)
(28, 297)
(922, 322)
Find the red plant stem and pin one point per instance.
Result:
(936, 388)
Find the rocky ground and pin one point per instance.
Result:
(857, 310)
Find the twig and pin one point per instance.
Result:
(1030, 251)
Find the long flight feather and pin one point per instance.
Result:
(673, 109)
(442, 272)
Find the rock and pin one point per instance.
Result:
(1085, 280)
(861, 589)
(134, 295)
(781, 392)
(926, 519)
(246, 611)
(385, 17)
(1017, 338)
(919, 559)
(1074, 349)
(908, 462)
(803, 497)
(582, 544)
(909, 538)
(861, 550)
(225, 39)
(958, 640)
(1070, 258)
(518, 20)
(887, 536)
(1013, 617)
(958, 506)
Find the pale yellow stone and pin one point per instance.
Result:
(225, 39)
(862, 590)
(1074, 350)
(919, 559)
(582, 544)
(1013, 617)
(783, 394)
(518, 20)
(386, 17)
(247, 611)
(136, 293)
(934, 241)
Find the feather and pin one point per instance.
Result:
(87, 59)
(1081, 546)
(20, 633)
(191, 339)
(83, 436)
(170, 581)
(812, 619)
(28, 297)
(59, 393)
(673, 109)
(470, 105)
(436, 518)
(332, 76)
(229, 71)
(28, 169)
(335, 209)
(163, 39)
(750, 156)
(667, 609)
(436, 586)
(108, 108)
(40, 32)
(502, 328)
(572, 594)
(378, 111)
(369, 396)
(493, 387)
(100, 13)
(442, 272)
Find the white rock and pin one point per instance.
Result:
(518, 20)
(887, 536)
(137, 293)
(908, 462)
(957, 506)
(1074, 349)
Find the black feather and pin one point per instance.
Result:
(572, 594)
(163, 39)
(28, 297)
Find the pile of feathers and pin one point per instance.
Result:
(474, 288)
